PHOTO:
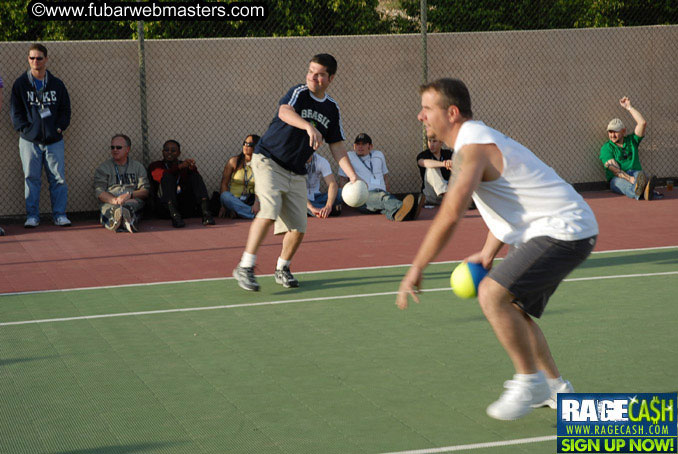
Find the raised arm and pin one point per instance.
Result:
(290, 116)
(641, 123)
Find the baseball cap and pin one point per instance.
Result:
(615, 125)
(363, 138)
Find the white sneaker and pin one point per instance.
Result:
(31, 222)
(552, 401)
(62, 221)
(521, 393)
(128, 220)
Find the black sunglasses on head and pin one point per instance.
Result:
(249, 144)
(117, 147)
(36, 58)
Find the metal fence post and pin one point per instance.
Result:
(424, 56)
(145, 153)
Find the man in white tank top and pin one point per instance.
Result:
(549, 227)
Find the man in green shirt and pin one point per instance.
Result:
(619, 156)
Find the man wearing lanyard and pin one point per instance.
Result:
(370, 165)
(121, 185)
(41, 111)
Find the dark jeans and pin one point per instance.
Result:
(187, 201)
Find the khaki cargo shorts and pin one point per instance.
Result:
(281, 193)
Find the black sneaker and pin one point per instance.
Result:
(246, 279)
(419, 204)
(207, 219)
(285, 278)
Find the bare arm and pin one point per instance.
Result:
(387, 183)
(613, 166)
(290, 116)
(325, 211)
(339, 152)
(431, 163)
(229, 168)
(488, 253)
(641, 123)
(470, 164)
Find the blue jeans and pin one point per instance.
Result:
(33, 158)
(233, 203)
(381, 202)
(320, 199)
(623, 187)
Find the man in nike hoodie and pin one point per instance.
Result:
(41, 111)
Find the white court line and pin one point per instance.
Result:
(492, 444)
(336, 270)
(298, 300)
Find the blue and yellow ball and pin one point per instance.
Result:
(465, 279)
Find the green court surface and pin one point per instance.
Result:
(331, 367)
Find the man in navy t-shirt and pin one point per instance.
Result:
(306, 118)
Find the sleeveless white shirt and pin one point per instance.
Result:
(529, 199)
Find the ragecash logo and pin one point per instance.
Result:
(616, 422)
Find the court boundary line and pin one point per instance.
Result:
(227, 278)
(489, 444)
(296, 300)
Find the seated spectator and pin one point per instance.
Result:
(2, 231)
(237, 184)
(620, 158)
(177, 188)
(121, 185)
(434, 164)
(322, 204)
(370, 165)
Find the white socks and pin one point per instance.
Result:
(247, 260)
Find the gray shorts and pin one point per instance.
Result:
(533, 271)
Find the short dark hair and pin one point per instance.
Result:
(39, 47)
(327, 61)
(453, 92)
(174, 142)
(127, 140)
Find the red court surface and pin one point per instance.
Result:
(87, 255)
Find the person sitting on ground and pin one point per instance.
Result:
(121, 185)
(370, 165)
(237, 184)
(322, 204)
(177, 188)
(620, 158)
(434, 164)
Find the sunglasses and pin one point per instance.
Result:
(117, 147)
(36, 58)
(249, 144)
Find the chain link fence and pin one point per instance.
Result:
(548, 73)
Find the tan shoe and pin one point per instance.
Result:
(648, 194)
(408, 203)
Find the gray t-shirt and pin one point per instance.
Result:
(118, 179)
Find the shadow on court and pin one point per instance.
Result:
(9, 362)
(667, 257)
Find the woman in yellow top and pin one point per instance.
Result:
(237, 184)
